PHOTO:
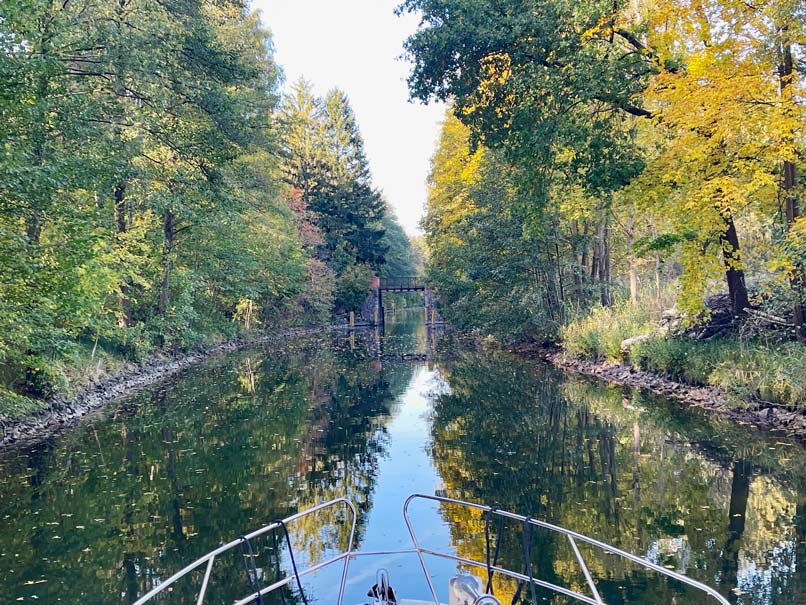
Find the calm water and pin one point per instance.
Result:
(101, 513)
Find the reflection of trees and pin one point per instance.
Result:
(248, 373)
(405, 333)
(613, 466)
(491, 446)
(107, 510)
(347, 437)
(346, 434)
(235, 445)
(737, 515)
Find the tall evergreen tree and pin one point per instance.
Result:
(324, 160)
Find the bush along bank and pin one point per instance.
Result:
(747, 379)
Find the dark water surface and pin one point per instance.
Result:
(102, 512)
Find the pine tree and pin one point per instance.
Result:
(324, 160)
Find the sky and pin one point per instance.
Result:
(356, 45)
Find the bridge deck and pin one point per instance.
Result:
(402, 289)
(402, 284)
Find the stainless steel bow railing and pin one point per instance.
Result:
(573, 537)
(594, 598)
(210, 558)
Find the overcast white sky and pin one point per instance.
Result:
(355, 45)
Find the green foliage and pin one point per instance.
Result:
(352, 288)
(140, 197)
(493, 266)
(13, 405)
(684, 360)
(349, 225)
(318, 298)
(558, 95)
(180, 325)
(745, 370)
(40, 378)
(528, 80)
(324, 159)
(400, 259)
(598, 335)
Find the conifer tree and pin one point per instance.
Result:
(324, 160)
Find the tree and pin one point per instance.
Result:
(487, 270)
(351, 210)
(56, 263)
(399, 257)
(550, 88)
(324, 161)
(700, 100)
(139, 191)
(302, 150)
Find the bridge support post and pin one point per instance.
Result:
(379, 318)
(400, 284)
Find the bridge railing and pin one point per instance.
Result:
(401, 282)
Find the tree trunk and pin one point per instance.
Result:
(560, 284)
(658, 287)
(798, 280)
(604, 259)
(577, 281)
(595, 254)
(737, 289)
(600, 263)
(167, 250)
(631, 259)
(33, 225)
(124, 304)
(33, 217)
(583, 265)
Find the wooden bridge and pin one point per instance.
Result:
(403, 284)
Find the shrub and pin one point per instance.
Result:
(13, 405)
(598, 335)
(353, 288)
(40, 377)
(683, 360)
(745, 370)
(775, 376)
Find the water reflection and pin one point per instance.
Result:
(100, 513)
(715, 502)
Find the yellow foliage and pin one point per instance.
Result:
(492, 91)
(722, 125)
(454, 170)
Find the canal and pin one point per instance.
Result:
(102, 512)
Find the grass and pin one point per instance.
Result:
(87, 364)
(748, 371)
(14, 406)
(82, 365)
(598, 335)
